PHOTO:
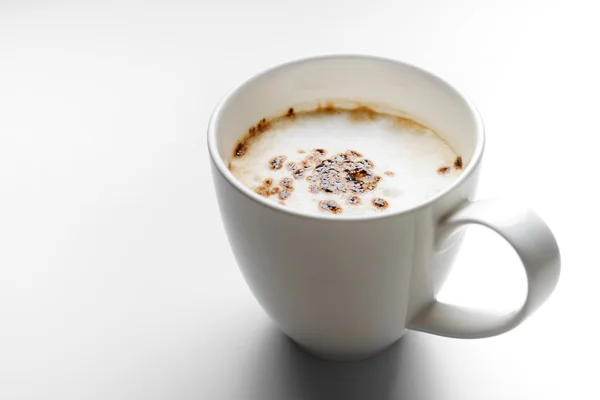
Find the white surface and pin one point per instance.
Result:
(107, 287)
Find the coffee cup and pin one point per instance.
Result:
(345, 288)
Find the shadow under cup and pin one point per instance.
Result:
(343, 287)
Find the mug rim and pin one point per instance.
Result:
(224, 171)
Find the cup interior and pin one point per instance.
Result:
(382, 84)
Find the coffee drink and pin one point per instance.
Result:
(344, 161)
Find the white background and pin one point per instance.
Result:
(116, 279)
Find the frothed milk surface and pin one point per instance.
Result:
(344, 162)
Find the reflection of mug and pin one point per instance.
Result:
(346, 288)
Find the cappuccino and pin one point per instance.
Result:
(344, 161)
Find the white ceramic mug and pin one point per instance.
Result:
(347, 287)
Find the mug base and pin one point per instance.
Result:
(343, 357)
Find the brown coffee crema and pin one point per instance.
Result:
(348, 174)
(357, 114)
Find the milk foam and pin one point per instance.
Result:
(406, 163)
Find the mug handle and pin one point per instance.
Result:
(535, 245)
